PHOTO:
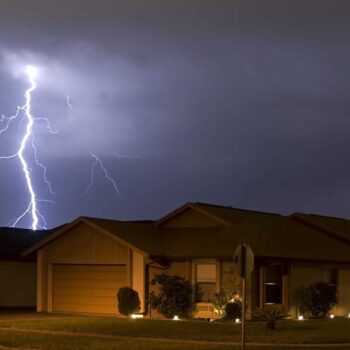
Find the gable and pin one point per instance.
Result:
(191, 218)
(85, 244)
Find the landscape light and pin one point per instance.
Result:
(237, 320)
(348, 315)
(331, 316)
(135, 316)
(176, 318)
(300, 318)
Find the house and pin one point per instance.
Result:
(18, 274)
(81, 266)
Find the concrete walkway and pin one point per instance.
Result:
(167, 340)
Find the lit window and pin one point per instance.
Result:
(273, 284)
(206, 281)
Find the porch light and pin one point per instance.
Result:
(300, 317)
(135, 316)
(237, 320)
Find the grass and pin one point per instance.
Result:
(305, 332)
(58, 342)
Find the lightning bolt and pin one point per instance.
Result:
(69, 104)
(98, 161)
(127, 156)
(38, 220)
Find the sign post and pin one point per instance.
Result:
(244, 258)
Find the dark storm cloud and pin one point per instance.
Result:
(232, 102)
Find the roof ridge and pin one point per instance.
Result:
(320, 215)
(235, 208)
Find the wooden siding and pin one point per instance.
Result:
(83, 244)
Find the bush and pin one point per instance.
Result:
(233, 311)
(225, 297)
(128, 301)
(174, 296)
(319, 298)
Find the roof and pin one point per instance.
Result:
(14, 241)
(334, 226)
(140, 234)
(268, 234)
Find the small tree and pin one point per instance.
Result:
(128, 301)
(319, 298)
(270, 316)
(174, 296)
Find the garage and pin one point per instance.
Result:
(87, 288)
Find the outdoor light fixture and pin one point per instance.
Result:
(331, 316)
(176, 318)
(300, 318)
(135, 316)
(348, 315)
(237, 320)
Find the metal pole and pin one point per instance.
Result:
(243, 313)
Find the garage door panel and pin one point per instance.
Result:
(98, 309)
(96, 284)
(101, 292)
(74, 267)
(87, 288)
(86, 300)
(87, 275)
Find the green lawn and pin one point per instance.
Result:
(296, 332)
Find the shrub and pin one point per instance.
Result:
(128, 301)
(174, 296)
(270, 316)
(233, 311)
(228, 304)
(319, 298)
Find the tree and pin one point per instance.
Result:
(319, 298)
(174, 296)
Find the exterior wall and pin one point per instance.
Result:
(81, 245)
(182, 269)
(138, 277)
(231, 281)
(302, 275)
(84, 245)
(191, 218)
(343, 306)
(18, 287)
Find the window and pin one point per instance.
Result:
(206, 281)
(330, 276)
(273, 284)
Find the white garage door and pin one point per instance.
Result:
(87, 288)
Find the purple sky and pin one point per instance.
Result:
(242, 103)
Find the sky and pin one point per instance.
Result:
(241, 103)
